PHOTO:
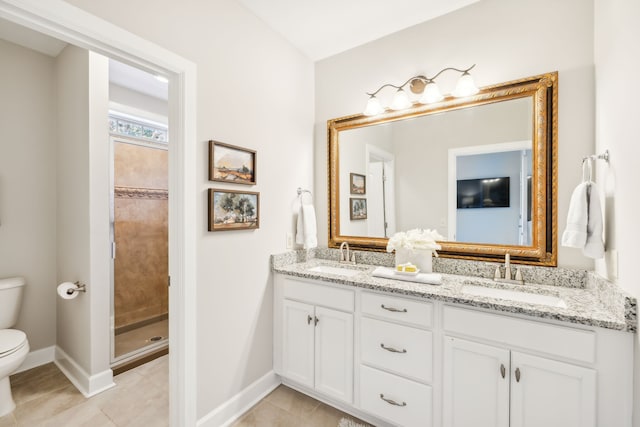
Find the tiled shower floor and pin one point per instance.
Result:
(139, 338)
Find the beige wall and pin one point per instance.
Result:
(28, 186)
(159, 108)
(499, 36)
(616, 56)
(255, 91)
(141, 234)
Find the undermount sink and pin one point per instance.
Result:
(338, 271)
(506, 294)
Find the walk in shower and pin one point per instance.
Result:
(140, 238)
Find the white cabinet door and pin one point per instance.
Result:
(476, 385)
(297, 342)
(334, 353)
(547, 393)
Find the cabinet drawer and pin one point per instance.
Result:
(408, 403)
(407, 351)
(398, 309)
(340, 299)
(557, 340)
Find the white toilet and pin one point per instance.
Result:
(13, 343)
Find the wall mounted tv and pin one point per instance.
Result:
(483, 193)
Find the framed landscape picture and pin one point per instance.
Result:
(228, 163)
(358, 208)
(233, 210)
(358, 183)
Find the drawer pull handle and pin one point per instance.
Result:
(395, 310)
(517, 375)
(309, 319)
(392, 402)
(503, 370)
(391, 349)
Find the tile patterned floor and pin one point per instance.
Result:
(45, 398)
(285, 407)
(138, 338)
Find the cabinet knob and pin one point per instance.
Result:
(309, 319)
(395, 310)
(392, 350)
(503, 370)
(316, 320)
(517, 375)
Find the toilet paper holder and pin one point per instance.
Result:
(80, 287)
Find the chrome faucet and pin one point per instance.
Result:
(347, 258)
(508, 277)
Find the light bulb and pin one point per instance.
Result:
(373, 107)
(465, 86)
(431, 94)
(400, 100)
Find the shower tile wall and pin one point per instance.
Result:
(141, 234)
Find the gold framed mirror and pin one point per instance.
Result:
(481, 170)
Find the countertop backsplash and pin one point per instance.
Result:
(551, 276)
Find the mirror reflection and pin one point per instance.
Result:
(466, 173)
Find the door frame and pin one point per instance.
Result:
(389, 195)
(68, 23)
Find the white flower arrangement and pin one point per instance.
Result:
(416, 239)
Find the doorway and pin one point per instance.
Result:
(139, 196)
(59, 19)
(381, 188)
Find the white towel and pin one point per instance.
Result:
(389, 273)
(575, 235)
(306, 234)
(584, 221)
(594, 246)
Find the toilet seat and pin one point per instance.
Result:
(11, 340)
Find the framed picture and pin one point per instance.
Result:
(358, 183)
(233, 210)
(358, 208)
(228, 163)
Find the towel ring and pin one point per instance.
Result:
(302, 192)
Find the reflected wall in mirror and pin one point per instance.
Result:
(480, 170)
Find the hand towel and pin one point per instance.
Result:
(389, 273)
(594, 246)
(575, 234)
(306, 234)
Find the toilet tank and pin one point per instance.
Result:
(10, 300)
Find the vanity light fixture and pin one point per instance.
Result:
(424, 86)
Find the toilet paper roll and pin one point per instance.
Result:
(65, 290)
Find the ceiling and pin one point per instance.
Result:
(322, 28)
(318, 28)
(135, 79)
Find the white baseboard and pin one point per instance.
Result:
(37, 358)
(225, 414)
(88, 385)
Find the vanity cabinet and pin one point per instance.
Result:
(317, 338)
(396, 359)
(497, 386)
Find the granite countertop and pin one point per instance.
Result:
(596, 304)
